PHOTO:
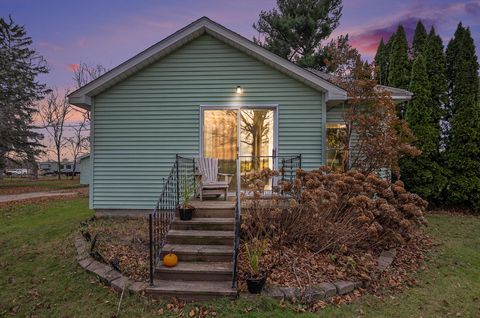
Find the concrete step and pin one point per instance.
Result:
(193, 271)
(219, 224)
(191, 290)
(200, 253)
(200, 237)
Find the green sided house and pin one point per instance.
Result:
(204, 91)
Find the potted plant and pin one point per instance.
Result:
(185, 209)
(256, 277)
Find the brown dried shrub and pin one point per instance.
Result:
(335, 212)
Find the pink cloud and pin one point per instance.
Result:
(82, 42)
(443, 17)
(73, 67)
(367, 42)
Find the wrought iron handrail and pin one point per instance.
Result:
(285, 165)
(238, 221)
(179, 180)
(287, 169)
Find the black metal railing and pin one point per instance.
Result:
(285, 166)
(245, 165)
(238, 222)
(180, 180)
(289, 166)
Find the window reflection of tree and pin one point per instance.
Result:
(336, 146)
(256, 130)
(256, 135)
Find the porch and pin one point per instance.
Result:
(206, 246)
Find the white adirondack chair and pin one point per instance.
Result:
(208, 178)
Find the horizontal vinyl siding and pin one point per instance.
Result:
(142, 122)
(335, 114)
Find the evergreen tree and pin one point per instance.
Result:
(381, 63)
(419, 39)
(399, 65)
(436, 70)
(296, 28)
(19, 90)
(463, 145)
(422, 174)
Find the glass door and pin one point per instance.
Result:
(256, 143)
(248, 130)
(220, 139)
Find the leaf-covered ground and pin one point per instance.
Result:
(123, 242)
(39, 276)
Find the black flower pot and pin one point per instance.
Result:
(186, 214)
(255, 285)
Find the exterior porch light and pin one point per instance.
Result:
(239, 90)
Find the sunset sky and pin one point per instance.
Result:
(109, 32)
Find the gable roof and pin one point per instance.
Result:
(397, 94)
(82, 96)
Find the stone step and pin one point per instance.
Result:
(193, 271)
(200, 237)
(200, 253)
(195, 223)
(191, 290)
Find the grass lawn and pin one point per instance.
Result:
(39, 275)
(23, 185)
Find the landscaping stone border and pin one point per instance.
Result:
(111, 277)
(106, 273)
(326, 290)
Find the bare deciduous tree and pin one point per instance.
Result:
(78, 143)
(54, 112)
(85, 73)
(82, 75)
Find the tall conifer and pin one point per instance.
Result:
(399, 65)
(422, 174)
(419, 39)
(20, 89)
(463, 145)
(381, 63)
(436, 70)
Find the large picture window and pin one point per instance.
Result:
(336, 146)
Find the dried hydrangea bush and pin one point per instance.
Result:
(330, 225)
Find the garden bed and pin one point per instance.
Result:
(332, 227)
(335, 231)
(122, 243)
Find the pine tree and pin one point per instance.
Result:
(294, 30)
(381, 63)
(463, 145)
(419, 39)
(399, 65)
(422, 174)
(436, 70)
(19, 90)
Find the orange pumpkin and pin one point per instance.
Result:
(170, 260)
